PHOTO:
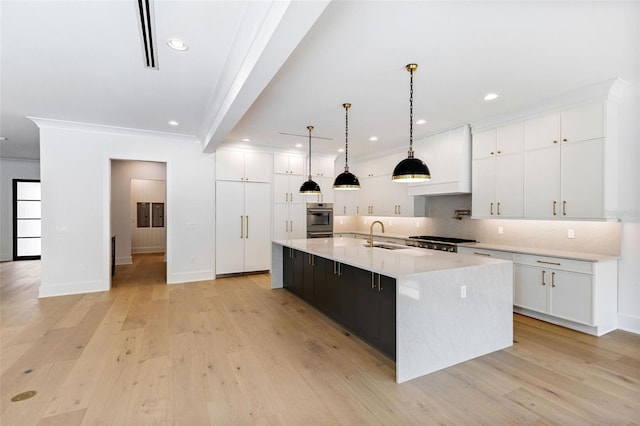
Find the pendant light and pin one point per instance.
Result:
(310, 187)
(411, 169)
(346, 180)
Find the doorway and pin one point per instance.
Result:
(138, 234)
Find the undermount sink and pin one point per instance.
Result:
(386, 246)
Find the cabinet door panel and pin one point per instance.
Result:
(281, 193)
(229, 165)
(528, 291)
(229, 227)
(484, 144)
(484, 187)
(542, 131)
(258, 166)
(542, 183)
(583, 122)
(367, 304)
(510, 139)
(387, 293)
(281, 221)
(582, 179)
(298, 221)
(257, 238)
(297, 165)
(509, 192)
(571, 298)
(308, 283)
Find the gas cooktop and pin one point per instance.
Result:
(441, 239)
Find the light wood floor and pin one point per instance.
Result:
(233, 351)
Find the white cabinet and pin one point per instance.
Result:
(286, 188)
(289, 221)
(448, 156)
(322, 167)
(573, 293)
(243, 166)
(565, 174)
(288, 164)
(344, 203)
(243, 243)
(327, 194)
(497, 172)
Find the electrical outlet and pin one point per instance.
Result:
(417, 224)
(571, 233)
(463, 292)
(500, 230)
(390, 223)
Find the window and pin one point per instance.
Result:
(26, 219)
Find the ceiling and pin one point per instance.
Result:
(255, 69)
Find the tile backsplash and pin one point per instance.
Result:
(590, 236)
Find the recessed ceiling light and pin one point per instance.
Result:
(340, 149)
(177, 44)
(421, 121)
(173, 123)
(490, 96)
(245, 140)
(373, 138)
(298, 145)
(2, 138)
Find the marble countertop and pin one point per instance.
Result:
(590, 257)
(392, 263)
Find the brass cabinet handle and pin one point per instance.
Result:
(290, 226)
(241, 227)
(334, 268)
(357, 209)
(564, 208)
(555, 203)
(491, 209)
(482, 254)
(286, 197)
(548, 263)
(498, 209)
(399, 206)
(379, 286)
(543, 272)
(553, 279)
(344, 209)
(373, 283)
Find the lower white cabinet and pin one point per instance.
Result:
(243, 242)
(577, 294)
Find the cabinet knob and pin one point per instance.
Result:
(555, 141)
(491, 152)
(499, 152)
(564, 140)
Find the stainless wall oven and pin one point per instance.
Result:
(319, 220)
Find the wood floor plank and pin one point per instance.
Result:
(234, 351)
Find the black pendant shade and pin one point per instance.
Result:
(310, 187)
(346, 180)
(411, 169)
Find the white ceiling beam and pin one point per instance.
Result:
(266, 48)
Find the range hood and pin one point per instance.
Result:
(448, 154)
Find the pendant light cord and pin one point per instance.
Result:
(411, 114)
(310, 128)
(346, 136)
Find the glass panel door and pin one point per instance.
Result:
(26, 219)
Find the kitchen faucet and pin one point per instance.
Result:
(370, 241)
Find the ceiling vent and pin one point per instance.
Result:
(146, 24)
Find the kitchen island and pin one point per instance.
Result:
(448, 307)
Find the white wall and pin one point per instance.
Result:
(122, 173)
(12, 169)
(76, 165)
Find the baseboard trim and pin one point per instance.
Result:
(142, 250)
(53, 290)
(629, 323)
(125, 260)
(5, 257)
(188, 277)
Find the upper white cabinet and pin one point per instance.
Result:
(243, 166)
(344, 203)
(565, 163)
(322, 167)
(448, 156)
(288, 164)
(286, 188)
(497, 172)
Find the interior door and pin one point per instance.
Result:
(230, 227)
(26, 219)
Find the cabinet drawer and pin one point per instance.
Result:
(554, 263)
(505, 255)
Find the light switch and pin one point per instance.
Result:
(571, 233)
